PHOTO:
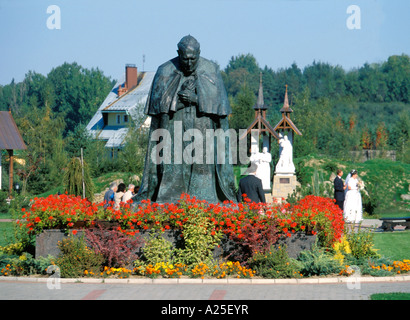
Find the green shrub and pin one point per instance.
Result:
(4, 206)
(274, 264)
(76, 257)
(24, 264)
(76, 176)
(378, 267)
(318, 262)
(361, 243)
(200, 238)
(157, 249)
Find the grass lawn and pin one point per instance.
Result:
(391, 212)
(6, 233)
(394, 245)
(390, 296)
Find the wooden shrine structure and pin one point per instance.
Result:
(286, 125)
(260, 126)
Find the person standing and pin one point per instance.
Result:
(352, 210)
(109, 195)
(339, 189)
(251, 186)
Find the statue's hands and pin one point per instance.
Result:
(188, 97)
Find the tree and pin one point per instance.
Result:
(397, 70)
(242, 70)
(132, 156)
(77, 179)
(401, 137)
(366, 139)
(78, 92)
(77, 139)
(313, 119)
(242, 109)
(381, 136)
(42, 131)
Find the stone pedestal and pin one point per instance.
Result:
(283, 185)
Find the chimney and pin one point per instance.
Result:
(131, 76)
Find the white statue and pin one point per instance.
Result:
(263, 171)
(285, 163)
(262, 160)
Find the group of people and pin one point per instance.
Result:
(117, 193)
(347, 193)
(348, 197)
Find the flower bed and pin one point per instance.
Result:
(189, 238)
(253, 226)
(312, 215)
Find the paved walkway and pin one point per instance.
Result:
(341, 288)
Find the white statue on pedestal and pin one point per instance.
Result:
(263, 160)
(285, 164)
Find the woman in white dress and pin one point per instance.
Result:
(353, 212)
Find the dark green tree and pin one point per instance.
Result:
(242, 109)
(78, 92)
(241, 70)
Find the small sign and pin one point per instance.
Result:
(284, 180)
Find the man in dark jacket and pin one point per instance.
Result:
(251, 186)
(339, 189)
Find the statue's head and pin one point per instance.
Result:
(188, 52)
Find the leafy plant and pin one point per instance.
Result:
(157, 249)
(77, 178)
(361, 243)
(200, 239)
(318, 262)
(76, 257)
(275, 263)
(117, 248)
(254, 238)
(24, 264)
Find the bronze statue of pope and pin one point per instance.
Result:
(187, 99)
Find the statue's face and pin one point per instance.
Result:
(188, 59)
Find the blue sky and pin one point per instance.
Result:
(108, 34)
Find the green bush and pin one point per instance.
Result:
(24, 264)
(274, 264)
(200, 239)
(157, 249)
(16, 240)
(76, 174)
(361, 243)
(76, 257)
(4, 206)
(377, 267)
(318, 262)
